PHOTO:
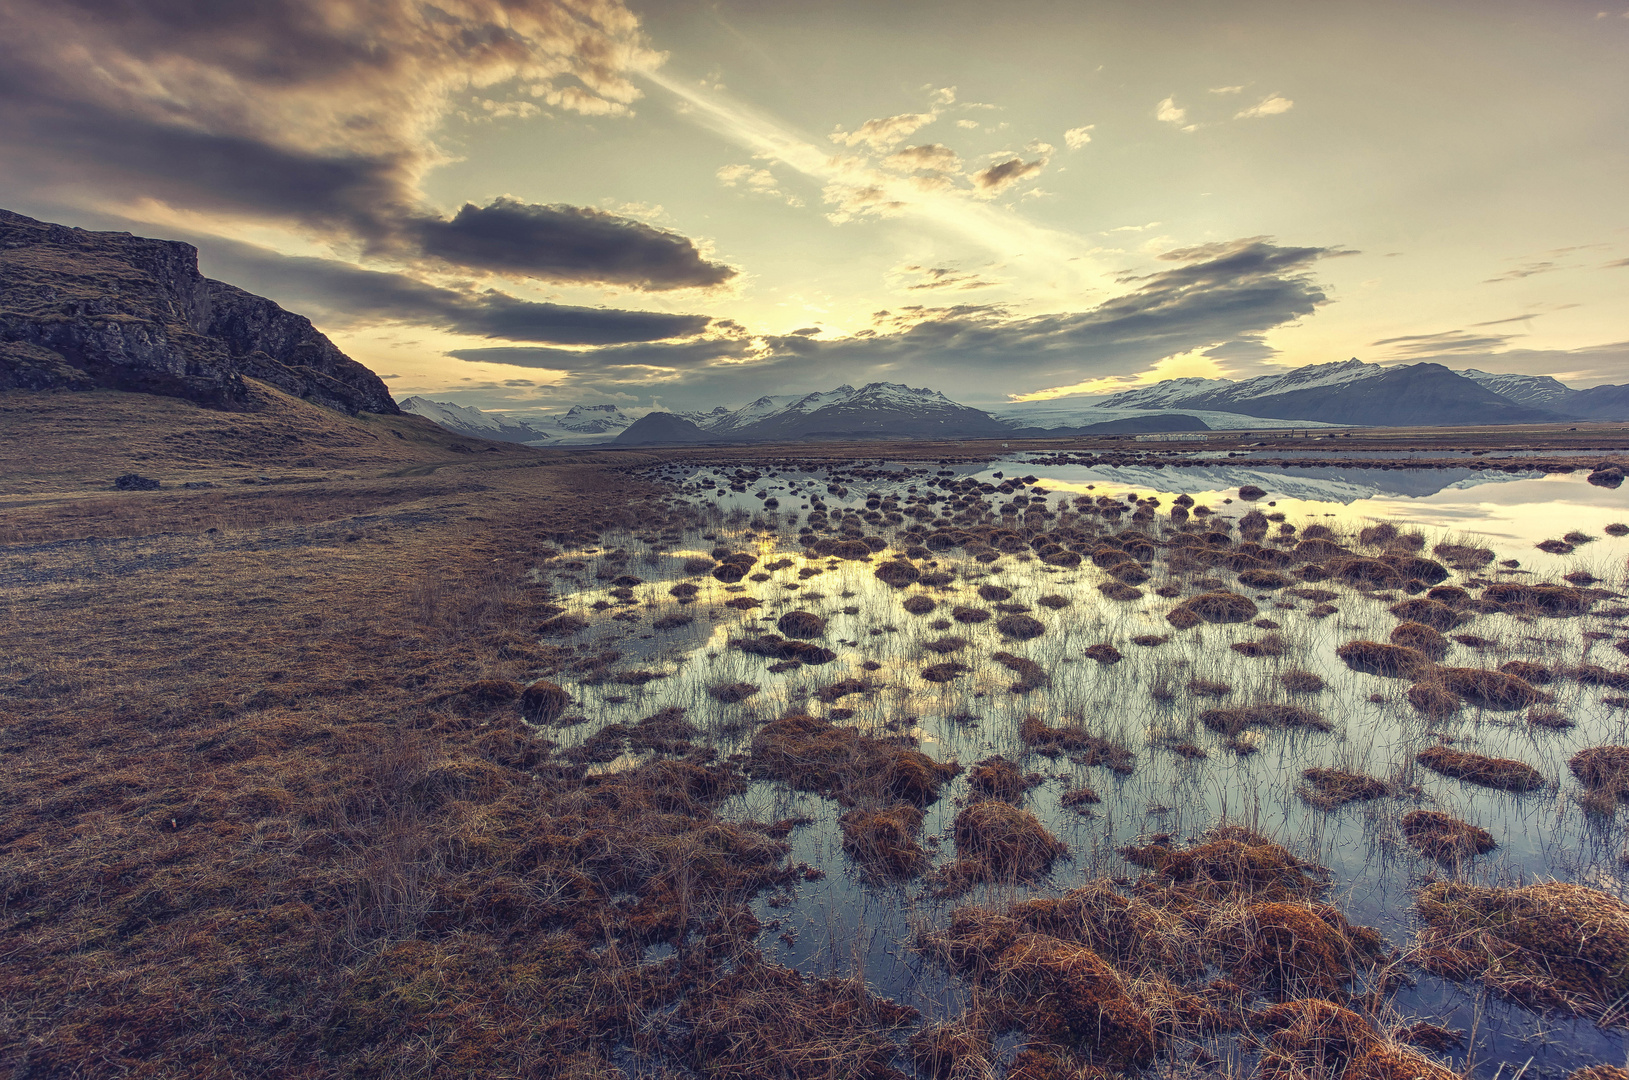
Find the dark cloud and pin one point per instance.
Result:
(319, 113)
(1003, 174)
(1222, 297)
(633, 362)
(338, 294)
(1448, 342)
(567, 243)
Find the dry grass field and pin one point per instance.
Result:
(268, 806)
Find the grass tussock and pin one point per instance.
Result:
(1446, 839)
(1555, 946)
(1504, 774)
(1330, 789)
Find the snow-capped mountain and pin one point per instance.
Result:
(1539, 391)
(875, 410)
(1089, 412)
(578, 424)
(469, 421)
(593, 419)
(1344, 393)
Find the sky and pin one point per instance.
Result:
(529, 204)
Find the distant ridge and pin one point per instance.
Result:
(1351, 392)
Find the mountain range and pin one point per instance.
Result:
(1350, 393)
(83, 310)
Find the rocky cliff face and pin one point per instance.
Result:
(81, 310)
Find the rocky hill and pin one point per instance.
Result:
(85, 310)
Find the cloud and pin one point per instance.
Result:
(566, 243)
(968, 125)
(1445, 343)
(320, 116)
(1003, 174)
(1271, 105)
(1075, 138)
(931, 157)
(1220, 297)
(945, 95)
(860, 200)
(1169, 112)
(885, 133)
(1226, 90)
(1543, 266)
(1617, 264)
(337, 294)
(1588, 366)
(943, 277)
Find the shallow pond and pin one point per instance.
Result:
(1187, 778)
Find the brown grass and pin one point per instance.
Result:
(1443, 838)
(1504, 774)
(1555, 945)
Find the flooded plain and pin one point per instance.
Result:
(1044, 630)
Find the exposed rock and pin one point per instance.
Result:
(90, 310)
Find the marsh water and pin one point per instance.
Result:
(846, 924)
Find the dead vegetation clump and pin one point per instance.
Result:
(1296, 948)
(1604, 772)
(997, 778)
(1270, 646)
(1496, 690)
(1020, 627)
(970, 615)
(958, 1050)
(730, 693)
(1312, 1037)
(733, 567)
(1433, 613)
(897, 573)
(1504, 774)
(1388, 661)
(801, 624)
(811, 754)
(1556, 601)
(1445, 839)
(946, 645)
(884, 842)
(1009, 843)
(1233, 721)
(919, 604)
(1055, 601)
(1551, 719)
(1329, 789)
(1067, 994)
(1227, 863)
(1082, 747)
(1219, 606)
(1421, 638)
(1149, 641)
(1118, 590)
(544, 702)
(993, 593)
(1209, 688)
(1433, 700)
(1553, 946)
(1535, 674)
(1463, 556)
(1298, 681)
(741, 1017)
(945, 672)
(775, 647)
(1031, 676)
(1103, 653)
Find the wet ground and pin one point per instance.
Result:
(659, 650)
